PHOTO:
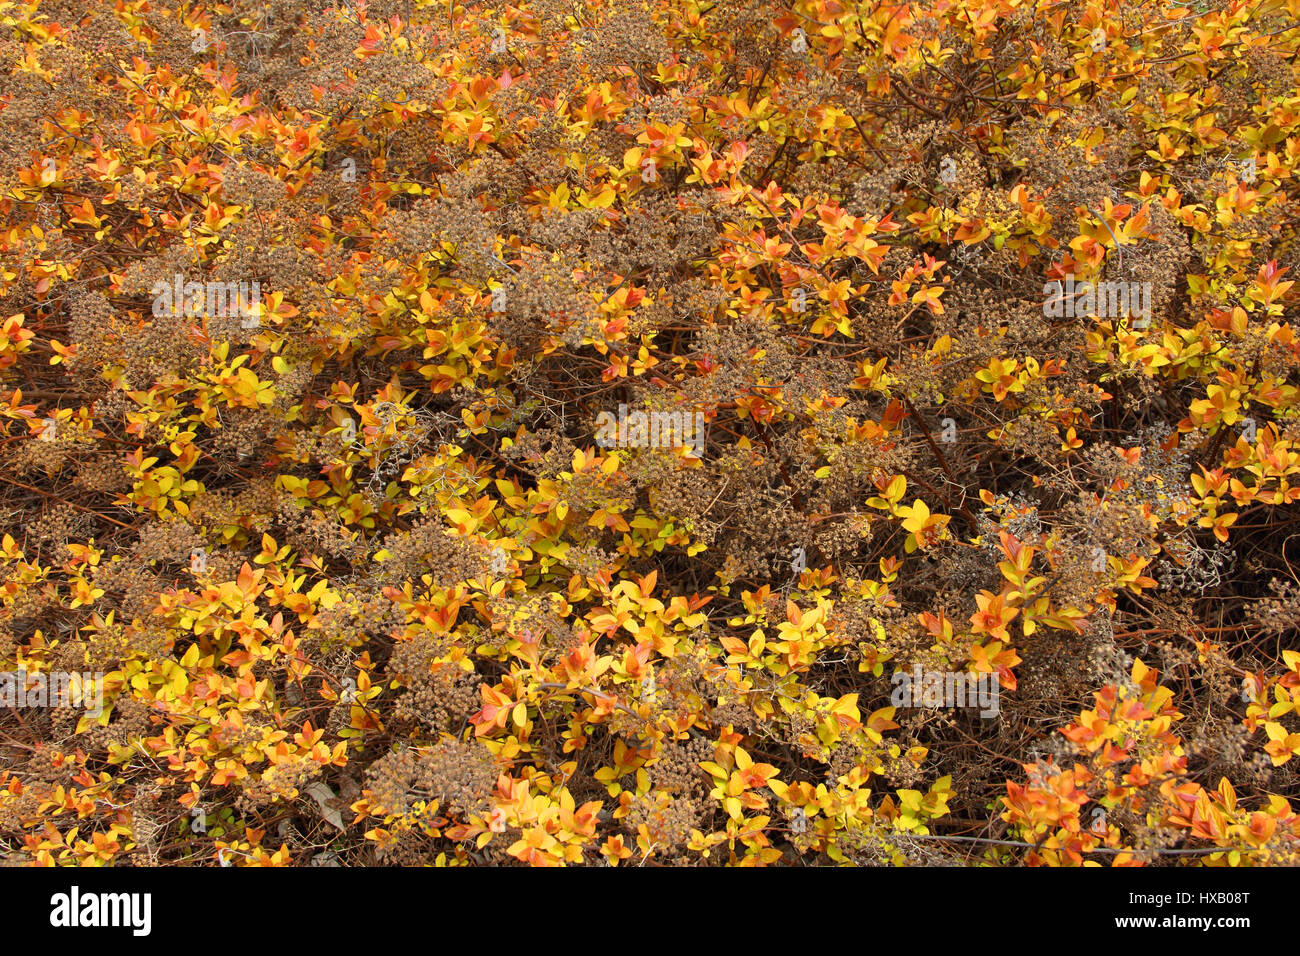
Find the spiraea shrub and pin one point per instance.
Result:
(661, 432)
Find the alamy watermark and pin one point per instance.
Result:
(21, 688)
(1103, 299)
(213, 299)
(76, 909)
(947, 689)
(642, 429)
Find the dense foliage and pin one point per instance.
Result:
(365, 587)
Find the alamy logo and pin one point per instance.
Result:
(946, 689)
(650, 430)
(57, 689)
(73, 909)
(1103, 299)
(213, 299)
